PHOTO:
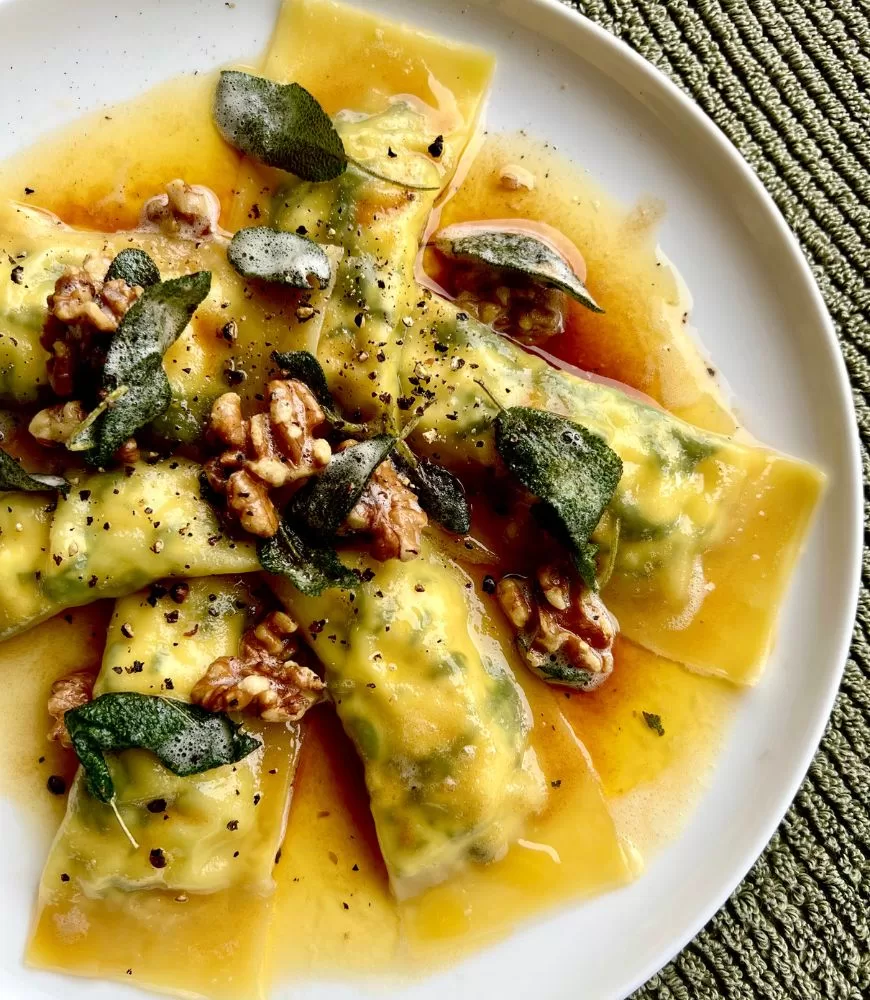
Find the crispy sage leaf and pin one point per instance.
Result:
(571, 470)
(439, 493)
(301, 549)
(155, 322)
(185, 738)
(322, 505)
(135, 267)
(281, 125)
(311, 567)
(135, 363)
(13, 477)
(279, 257)
(519, 253)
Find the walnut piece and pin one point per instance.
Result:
(54, 425)
(264, 679)
(513, 177)
(388, 512)
(82, 307)
(68, 692)
(266, 452)
(190, 211)
(564, 631)
(525, 309)
(248, 499)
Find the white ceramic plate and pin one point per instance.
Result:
(761, 317)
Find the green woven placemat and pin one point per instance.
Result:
(787, 82)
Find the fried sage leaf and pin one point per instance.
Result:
(302, 548)
(134, 363)
(279, 257)
(281, 125)
(517, 253)
(439, 493)
(322, 505)
(135, 267)
(185, 738)
(13, 477)
(311, 566)
(573, 472)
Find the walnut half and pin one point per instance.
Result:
(191, 211)
(265, 452)
(67, 693)
(564, 631)
(54, 425)
(264, 679)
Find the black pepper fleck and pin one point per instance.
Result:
(56, 784)
(157, 858)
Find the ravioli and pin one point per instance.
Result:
(433, 711)
(112, 534)
(217, 833)
(704, 530)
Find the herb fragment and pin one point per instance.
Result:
(571, 470)
(185, 738)
(516, 253)
(135, 267)
(304, 367)
(281, 125)
(654, 722)
(133, 376)
(276, 256)
(13, 477)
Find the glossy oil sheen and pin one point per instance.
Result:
(331, 880)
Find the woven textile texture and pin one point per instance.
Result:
(787, 82)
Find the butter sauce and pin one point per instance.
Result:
(333, 911)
